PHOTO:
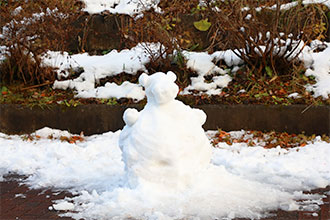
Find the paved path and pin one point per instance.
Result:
(18, 202)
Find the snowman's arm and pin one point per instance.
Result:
(131, 115)
(200, 115)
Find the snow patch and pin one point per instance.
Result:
(99, 67)
(203, 64)
(134, 60)
(63, 206)
(112, 90)
(294, 95)
(20, 195)
(130, 7)
(318, 65)
(47, 132)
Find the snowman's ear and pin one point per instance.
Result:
(171, 75)
(144, 80)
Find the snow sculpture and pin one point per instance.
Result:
(165, 143)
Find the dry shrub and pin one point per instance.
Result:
(165, 28)
(157, 27)
(29, 29)
(267, 37)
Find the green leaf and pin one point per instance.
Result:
(67, 103)
(202, 25)
(260, 95)
(304, 77)
(112, 101)
(194, 47)
(4, 89)
(269, 71)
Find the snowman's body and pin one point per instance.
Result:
(165, 142)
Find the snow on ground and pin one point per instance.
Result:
(2, 53)
(278, 162)
(318, 64)
(292, 4)
(287, 6)
(94, 171)
(324, 2)
(130, 7)
(134, 60)
(203, 64)
(99, 67)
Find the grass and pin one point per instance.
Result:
(47, 97)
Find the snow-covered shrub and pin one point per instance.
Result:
(29, 29)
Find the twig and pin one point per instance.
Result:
(36, 86)
(308, 107)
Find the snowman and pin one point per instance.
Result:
(164, 144)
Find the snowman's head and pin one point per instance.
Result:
(160, 87)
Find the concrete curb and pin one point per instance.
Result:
(96, 119)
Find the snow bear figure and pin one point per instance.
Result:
(165, 143)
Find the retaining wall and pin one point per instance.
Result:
(96, 119)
